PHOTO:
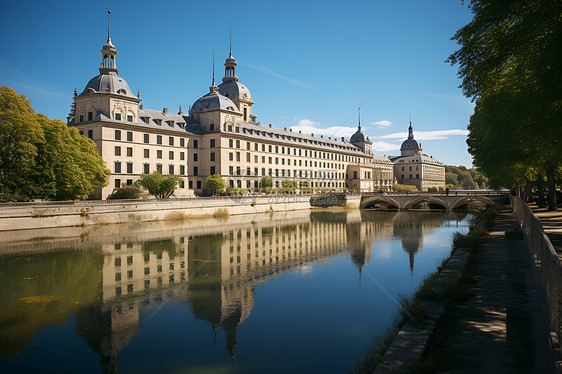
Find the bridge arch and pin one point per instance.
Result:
(429, 199)
(371, 201)
(467, 199)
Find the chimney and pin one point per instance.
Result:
(284, 128)
(165, 110)
(270, 125)
(300, 132)
(343, 139)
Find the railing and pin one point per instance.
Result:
(439, 193)
(547, 265)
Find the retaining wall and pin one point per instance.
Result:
(547, 268)
(22, 216)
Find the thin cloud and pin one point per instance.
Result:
(426, 135)
(383, 123)
(385, 147)
(308, 126)
(268, 71)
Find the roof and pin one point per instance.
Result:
(359, 136)
(381, 160)
(235, 90)
(410, 144)
(423, 158)
(213, 101)
(108, 83)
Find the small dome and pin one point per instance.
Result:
(409, 144)
(235, 90)
(109, 83)
(359, 136)
(213, 101)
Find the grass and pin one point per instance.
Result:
(176, 216)
(221, 214)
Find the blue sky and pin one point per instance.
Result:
(309, 65)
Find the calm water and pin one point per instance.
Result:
(278, 293)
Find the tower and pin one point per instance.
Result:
(360, 139)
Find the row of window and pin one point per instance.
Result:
(255, 184)
(287, 173)
(146, 168)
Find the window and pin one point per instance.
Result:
(245, 114)
(129, 151)
(82, 118)
(90, 116)
(171, 155)
(129, 136)
(237, 143)
(195, 143)
(146, 153)
(171, 140)
(213, 170)
(117, 167)
(147, 138)
(182, 156)
(212, 156)
(237, 156)
(195, 171)
(198, 185)
(129, 118)
(212, 127)
(129, 182)
(159, 168)
(171, 169)
(190, 184)
(117, 150)
(212, 143)
(182, 169)
(195, 157)
(248, 157)
(146, 169)
(231, 156)
(158, 139)
(159, 153)
(118, 183)
(117, 116)
(130, 167)
(230, 143)
(182, 142)
(117, 134)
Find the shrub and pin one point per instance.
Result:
(126, 192)
(266, 182)
(158, 185)
(214, 184)
(404, 188)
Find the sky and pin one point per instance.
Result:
(309, 65)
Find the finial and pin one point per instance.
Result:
(180, 112)
(108, 25)
(230, 41)
(359, 115)
(75, 93)
(138, 94)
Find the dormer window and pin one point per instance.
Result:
(129, 118)
(117, 116)
(170, 123)
(158, 122)
(181, 125)
(145, 119)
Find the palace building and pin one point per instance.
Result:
(219, 135)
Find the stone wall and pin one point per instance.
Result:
(547, 268)
(22, 216)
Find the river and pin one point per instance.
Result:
(275, 293)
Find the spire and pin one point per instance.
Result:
(359, 117)
(213, 88)
(230, 64)
(108, 52)
(109, 26)
(138, 94)
(410, 129)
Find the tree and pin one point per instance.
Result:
(158, 185)
(126, 192)
(42, 158)
(510, 65)
(214, 184)
(266, 182)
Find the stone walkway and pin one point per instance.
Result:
(500, 329)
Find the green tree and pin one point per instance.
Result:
(509, 60)
(158, 185)
(131, 191)
(266, 182)
(42, 158)
(214, 184)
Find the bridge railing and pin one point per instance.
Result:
(547, 265)
(439, 193)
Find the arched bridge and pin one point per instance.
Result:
(401, 201)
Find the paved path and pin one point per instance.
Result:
(552, 223)
(500, 329)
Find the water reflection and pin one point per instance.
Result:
(110, 277)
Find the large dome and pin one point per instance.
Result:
(235, 90)
(213, 101)
(108, 83)
(409, 144)
(359, 136)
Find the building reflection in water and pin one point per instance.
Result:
(216, 267)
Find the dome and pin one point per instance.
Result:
(108, 84)
(359, 136)
(409, 144)
(235, 90)
(213, 101)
